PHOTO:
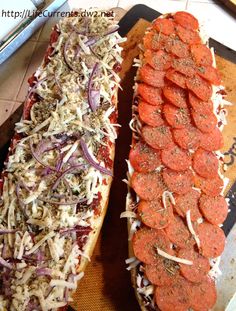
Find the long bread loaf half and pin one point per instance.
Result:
(57, 177)
(175, 204)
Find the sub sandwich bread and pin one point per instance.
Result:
(56, 181)
(175, 204)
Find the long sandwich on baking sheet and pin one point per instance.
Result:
(175, 205)
(56, 181)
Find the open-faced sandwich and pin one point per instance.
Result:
(56, 180)
(175, 205)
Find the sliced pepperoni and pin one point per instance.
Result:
(157, 137)
(200, 106)
(154, 215)
(150, 94)
(188, 201)
(188, 36)
(186, 20)
(178, 233)
(203, 296)
(205, 163)
(175, 297)
(210, 74)
(185, 66)
(154, 41)
(188, 137)
(178, 182)
(176, 77)
(149, 114)
(214, 209)
(146, 240)
(197, 272)
(164, 25)
(206, 122)
(201, 54)
(176, 117)
(158, 60)
(176, 95)
(177, 47)
(143, 158)
(199, 87)
(151, 76)
(163, 272)
(212, 240)
(148, 186)
(176, 158)
(212, 141)
(211, 187)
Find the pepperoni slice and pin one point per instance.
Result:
(185, 66)
(176, 95)
(203, 296)
(176, 117)
(177, 47)
(178, 182)
(163, 272)
(211, 187)
(143, 158)
(199, 87)
(206, 122)
(164, 25)
(145, 242)
(176, 158)
(210, 74)
(188, 201)
(149, 114)
(178, 233)
(212, 141)
(154, 41)
(154, 215)
(188, 36)
(158, 60)
(197, 272)
(148, 186)
(175, 297)
(176, 77)
(151, 76)
(214, 209)
(150, 94)
(200, 106)
(157, 137)
(186, 20)
(212, 240)
(201, 54)
(205, 163)
(188, 137)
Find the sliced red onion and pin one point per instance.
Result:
(7, 231)
(36, 85)
(91, 161)
(62, 203)
(75, 229)
(113, 30)
(37, 158)
(6, 264)
(44, 271)
(93, 100)
(69, 170)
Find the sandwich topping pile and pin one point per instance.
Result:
(58, 171)
(175, 205)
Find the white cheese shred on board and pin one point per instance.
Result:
(56, 171)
